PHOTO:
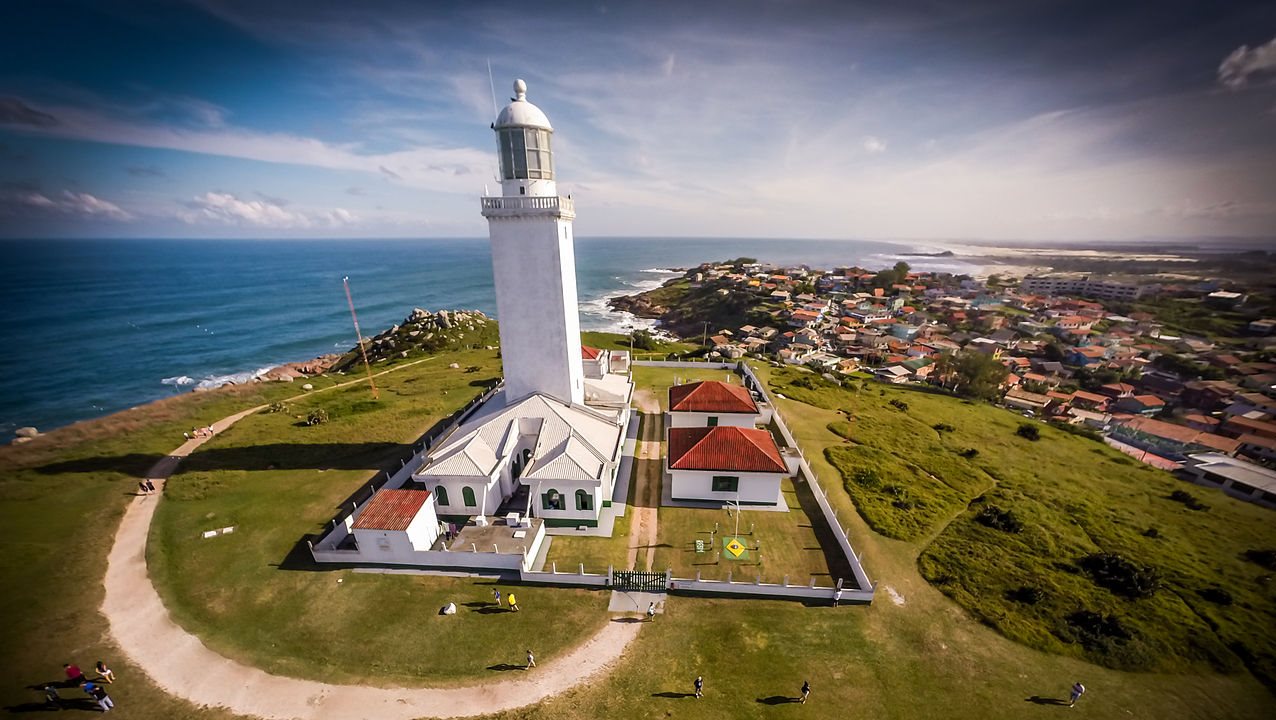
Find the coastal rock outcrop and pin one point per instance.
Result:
(421, 332)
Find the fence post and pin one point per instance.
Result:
(668, 577)
(728, 576)
(610, 568)
(582, 568)
(553, 567)
(786, 581)
(473, 547)
(697, 576)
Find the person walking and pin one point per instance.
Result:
(806, 690)
(496, 596)
(651, 612)
(513, 602)
(1077, 691)
(51, 697)
(141, 488)
(98, 693)
(104, 672)
(150, 485)
(74, 675)
(699, 686)
(531, 660)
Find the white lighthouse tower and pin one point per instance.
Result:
(533, 261)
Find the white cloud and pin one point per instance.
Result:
(874, 145)
(1236, 69)
(70, 203)
(227, 209)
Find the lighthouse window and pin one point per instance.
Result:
(525, 154)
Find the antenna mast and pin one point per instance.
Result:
(358, 333)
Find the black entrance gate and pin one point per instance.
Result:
(633, 581)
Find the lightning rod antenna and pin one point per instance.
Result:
(358, 333)
(492, 86)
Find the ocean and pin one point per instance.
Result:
(97, 326)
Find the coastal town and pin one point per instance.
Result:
(1177, 374)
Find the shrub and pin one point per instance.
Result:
(1097, 632)
(1216, 595)
(866, 477)
(1188, 499)
(1152, 533)
(318, 416)
(1027, 594)
(643, 340)
(943, 427)
(998, 519)
(1121, 576)
(969, 453)
(1265, 558)
(277, 407)
(899, 405)
(1029, 431)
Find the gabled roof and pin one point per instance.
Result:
(711, 396)
(391, 510)
(589, 353)
(724, 448)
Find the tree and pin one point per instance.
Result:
(644, 340)
(971, 374)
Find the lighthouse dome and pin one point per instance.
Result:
(521, 113)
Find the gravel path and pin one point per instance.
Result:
(180, 664)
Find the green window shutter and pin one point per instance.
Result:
(467, 494)
(440, 494)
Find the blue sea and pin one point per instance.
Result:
(96, 326)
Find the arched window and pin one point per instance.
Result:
(552, 500)
(582, 500)
(467, 494)
(440, 495)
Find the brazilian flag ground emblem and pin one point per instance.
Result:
(734, 549)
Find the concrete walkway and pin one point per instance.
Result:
(182, 666)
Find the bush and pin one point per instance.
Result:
(318, 416)
(1121, 576)
(1097, 632)
(943, 427)
(969, 453)
(998, 519)
(1028, 595)
(1216, 595)
(1029, 431)
(899, 404)
(866, 477)
(1188, 499)
(277, 407)
(1265, 558)
(1152, 533)
(644, 340)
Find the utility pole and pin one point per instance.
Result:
(359, 334)
(704, 338)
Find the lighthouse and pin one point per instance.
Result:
(533, 260)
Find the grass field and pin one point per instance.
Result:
(914, 657)
(1072, 498)
(654, 382)
(255, 595)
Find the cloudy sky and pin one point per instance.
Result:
(1012, 120)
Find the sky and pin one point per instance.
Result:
(1050, 120)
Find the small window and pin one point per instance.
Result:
(583, 500)
(552, 500)
(726, 483)
(713, 421)
(440, 495)
(467, 495)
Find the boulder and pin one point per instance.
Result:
(26, 432)
(454, 366)
(307, 386)
(449, 609)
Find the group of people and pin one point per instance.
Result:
(511, 600)
(206, 431)
(699, 687)
(145, 487)
(75, 677)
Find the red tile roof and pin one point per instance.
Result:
(711, 396)
(724, 448)
(392, 509)
(589, 353)
(1181, 434)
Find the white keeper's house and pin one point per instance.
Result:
(549, 443)
(715, 451)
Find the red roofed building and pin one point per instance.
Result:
(725, 463)
(711, 402)
(395, 524)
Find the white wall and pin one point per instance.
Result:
(698, 485)
(568, 488)
(700, 419)
(424, 528)
(484, 487)
(534, 268)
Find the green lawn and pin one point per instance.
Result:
(619, 341)
(597, 554)
(655, 382)
(1074, 498)
(789, 543)
(256, 596)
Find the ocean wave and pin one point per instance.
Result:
(663, 271)
(208, 382)
(178, 380)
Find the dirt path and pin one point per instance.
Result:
(180, 664)
(647, 472)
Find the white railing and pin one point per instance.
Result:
(515, 205)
